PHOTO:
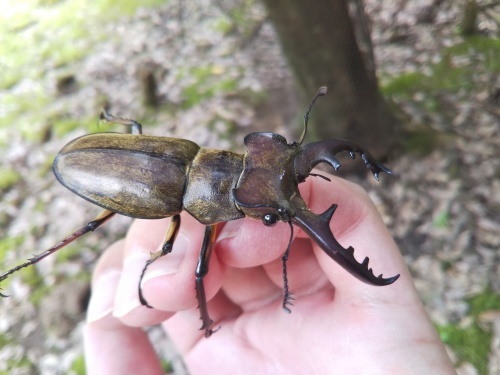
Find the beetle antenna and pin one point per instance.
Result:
(321, 91)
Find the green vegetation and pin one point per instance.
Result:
(166, 366)
(207, 81)
(9, 243)
(37, 36)
(457, 70)
(78, 366)
(486, 301)
(472, 343)
(35, 282)
(8, 178)
(442, 220)
(19, 365)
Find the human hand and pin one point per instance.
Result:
(338, 324)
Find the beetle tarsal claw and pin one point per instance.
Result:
(287, 301)
(209, 332)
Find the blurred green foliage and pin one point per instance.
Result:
(472, 343)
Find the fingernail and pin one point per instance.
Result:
(102, 299)
(168, 264)
(127, 295)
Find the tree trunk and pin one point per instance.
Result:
(319, 41)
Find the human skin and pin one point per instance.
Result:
(338, 324)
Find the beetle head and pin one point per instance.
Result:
(268, 190)
(268, 183)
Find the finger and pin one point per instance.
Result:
(110, 346)
(304, 274)
(121, 350)
(169, 282)
(248, 243)
(250, 288)
(105, 281)
(183, 327)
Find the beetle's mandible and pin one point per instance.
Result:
(157, 177)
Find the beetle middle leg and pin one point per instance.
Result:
(201, 272)
(91, 226)
(170, 237)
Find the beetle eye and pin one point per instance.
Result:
(270, 219)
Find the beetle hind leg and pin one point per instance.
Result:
(168, 243)
(91, 226)
(135, 127)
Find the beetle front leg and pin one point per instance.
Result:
(170, 237)
(287, 295)
(201, 272)
(91, 226)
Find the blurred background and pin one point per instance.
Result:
(415, 81)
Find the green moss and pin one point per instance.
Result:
(127, 7)
(456, 70)
(486, 301)
(78, 366)
(207, 82)
(63, 126)
(34, 280)
(442, 220)
(46, 167)
(8, 244)
(4, 340)
(40, 35)
(71, 251)
(196, 93)
(223, 25)
(470, 344)
(167, 367)
(18, 365)
(404, 84)
(8, 178)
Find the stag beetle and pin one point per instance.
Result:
(152, 177)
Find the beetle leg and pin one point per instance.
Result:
(135, 127)
(170, 237)
(102, 218)
(325, 151)
(201, 272)
(287, 295)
